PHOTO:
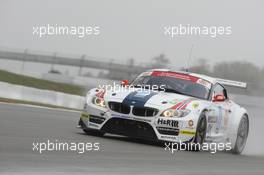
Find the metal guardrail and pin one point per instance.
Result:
(83, 61)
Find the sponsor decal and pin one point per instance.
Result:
(187, 132)
(195, 105)
(212, 119)
(174, 75)
(190, 123)
(183, 77)
(167, 122)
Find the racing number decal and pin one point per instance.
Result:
(215, 120)
(222, 119)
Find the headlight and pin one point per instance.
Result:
(99, 101)
(175, 113)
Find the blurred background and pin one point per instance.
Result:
(131, 40)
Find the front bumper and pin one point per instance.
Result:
(149, 128)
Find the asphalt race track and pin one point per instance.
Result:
(20, 126)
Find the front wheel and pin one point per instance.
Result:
(242, 134)
(201, 130)
(200, 134)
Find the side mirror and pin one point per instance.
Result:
(219, 98)
(124, 83)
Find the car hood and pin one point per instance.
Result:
(153, 99)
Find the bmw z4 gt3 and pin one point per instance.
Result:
(170, 106)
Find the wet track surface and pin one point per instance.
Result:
(20, 126)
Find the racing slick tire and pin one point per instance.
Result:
(242, 134)
(200, 134)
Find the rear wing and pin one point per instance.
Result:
(232, 83)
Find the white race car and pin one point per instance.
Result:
(170, 106)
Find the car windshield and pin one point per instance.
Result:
(175, 83)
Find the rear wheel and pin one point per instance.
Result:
(242, 135)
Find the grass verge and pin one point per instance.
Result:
(23, 80)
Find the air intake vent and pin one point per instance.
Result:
(145, 112)
(119, 107)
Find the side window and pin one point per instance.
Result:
(219, 90)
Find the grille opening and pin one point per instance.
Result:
(168, 131)
(137, 111)
(119, 107)
(146, 112)
(96, 119)
(130, 128)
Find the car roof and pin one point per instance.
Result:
(201, 76)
